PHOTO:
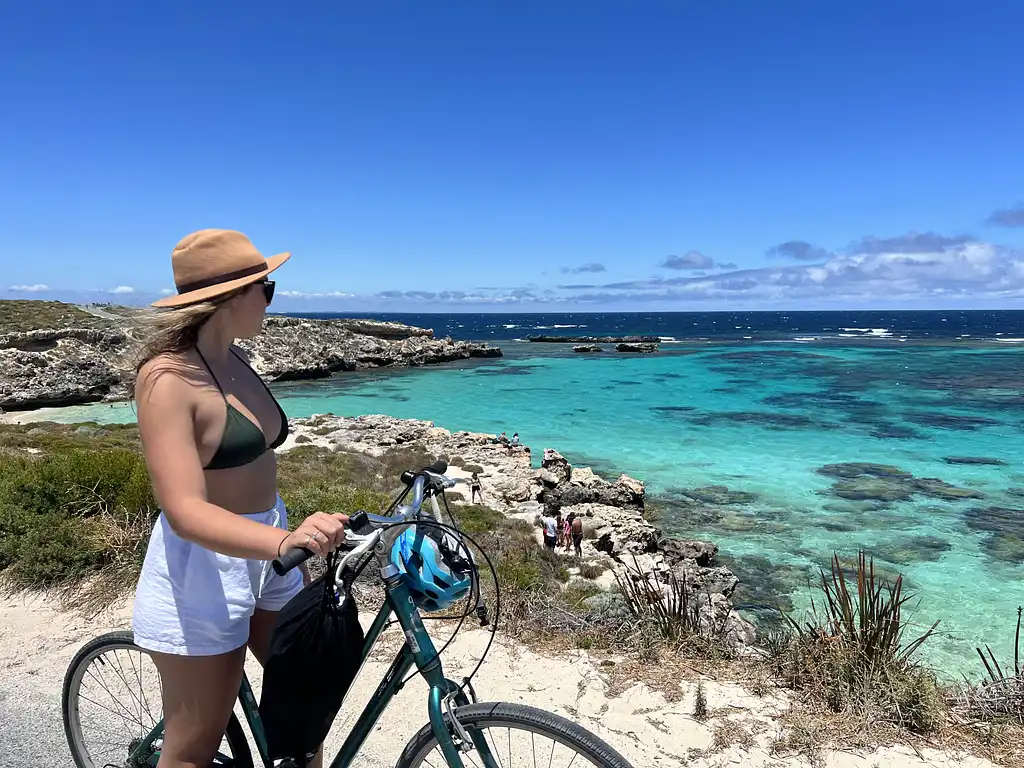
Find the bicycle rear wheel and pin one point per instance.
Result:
(112, 702)
(515, 735)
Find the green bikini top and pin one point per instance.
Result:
(243, 441)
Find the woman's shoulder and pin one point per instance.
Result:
(166, 371)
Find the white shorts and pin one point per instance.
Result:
(191, 601)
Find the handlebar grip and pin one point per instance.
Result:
(290, 559)
(439, 467)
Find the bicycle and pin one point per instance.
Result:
(458, 724)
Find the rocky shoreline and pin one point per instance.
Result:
(616, 531)
(76, 365)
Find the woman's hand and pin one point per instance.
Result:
(320, 533)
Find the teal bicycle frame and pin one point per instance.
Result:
(418, 649)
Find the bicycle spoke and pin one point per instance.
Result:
(106, 689)
(124, 679)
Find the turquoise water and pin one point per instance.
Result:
(762, 419)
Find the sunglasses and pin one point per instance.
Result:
(268, 289)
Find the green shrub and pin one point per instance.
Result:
(44, 550)
(855, 658)
(56, 511)
(476, 518)
(577, 591)
(78, 481)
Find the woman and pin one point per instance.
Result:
(208, 426)
(475, 489)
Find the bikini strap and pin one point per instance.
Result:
(246, 364)
(212, 374)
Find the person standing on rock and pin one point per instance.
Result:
(576, 528)
(566, 540)
(550, 531)
(209, 427)
(559, 529)
(475, 489)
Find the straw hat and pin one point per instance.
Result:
(212, 262)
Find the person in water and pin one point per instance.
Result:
(209, 427)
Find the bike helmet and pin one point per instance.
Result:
(432, 583)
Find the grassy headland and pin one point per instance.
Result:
(21, 315)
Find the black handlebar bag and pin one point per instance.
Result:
(315, 654)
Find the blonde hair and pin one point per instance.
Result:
(174, 330)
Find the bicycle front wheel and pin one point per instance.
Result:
(515, 735)
(111, 705)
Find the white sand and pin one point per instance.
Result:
(37, 643)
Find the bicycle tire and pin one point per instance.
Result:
(241, 756)
(505, 715)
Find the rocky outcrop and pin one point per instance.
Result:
(61, 367)
(615, 528)
(645, 348)
(382, 329)
(588, 348)
(293, 348)
(70, 366)
(480, 349)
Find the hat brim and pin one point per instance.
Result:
(202, 294)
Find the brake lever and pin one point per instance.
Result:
(362, 542)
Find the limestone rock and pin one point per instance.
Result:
(62, 367)
(557, 465)
(585, 476)
(547, 477)
(81, 365)
(644, 348)
(676, 550)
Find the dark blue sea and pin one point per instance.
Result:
(930, 325)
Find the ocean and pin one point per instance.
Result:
(780, 411)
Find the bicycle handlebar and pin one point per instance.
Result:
(361, 520)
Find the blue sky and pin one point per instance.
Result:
(521, 155)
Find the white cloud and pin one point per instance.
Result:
(166, 291)
(897, 269)
(324, 295)
(122, 289)
(29, 288)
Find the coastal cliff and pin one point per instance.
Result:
(617, 535)
(61, 355)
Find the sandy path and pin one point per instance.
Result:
(37, 643)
